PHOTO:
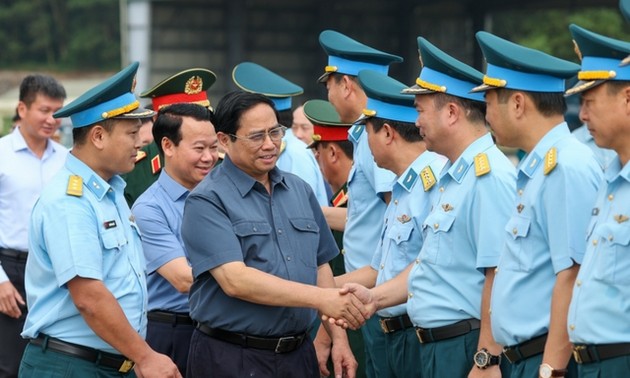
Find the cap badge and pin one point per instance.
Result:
(193, 85)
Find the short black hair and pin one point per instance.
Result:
(44, 84)
(232, 106)
(285, 118)
(170, 118)
(407, 130)
(547, 103)
(79, 134)
(344, 145)
(475, 111)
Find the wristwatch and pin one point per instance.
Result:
(483, 359)
(546, 371)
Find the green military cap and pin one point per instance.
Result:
(385, 98)
(602, 59)
(348, 56)
(111, 99)
(252, 77)
(514, 66)
(188, 86)
(441, 73)
(327, 125)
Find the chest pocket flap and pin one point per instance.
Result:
(439, 222)
(244, 229)
(400, 233)
(518, 227)
(113, 239)
(304, 225)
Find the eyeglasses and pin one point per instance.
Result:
(257, 139)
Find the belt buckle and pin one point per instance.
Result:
(281, 341)
(126, 366)
(577, 356)
(384, 326)
(420, 337)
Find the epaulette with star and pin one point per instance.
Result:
(551, 160)
(482, 165)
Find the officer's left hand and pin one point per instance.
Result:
(10, 300)
(345, 365)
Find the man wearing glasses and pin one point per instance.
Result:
(259, 247)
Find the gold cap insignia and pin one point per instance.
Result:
(482, 165)
(316, 137)
(193, 85)
(551, 160)
(75, 186)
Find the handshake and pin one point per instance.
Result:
(348, 307)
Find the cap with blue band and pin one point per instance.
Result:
(252, 77)
(384, 98)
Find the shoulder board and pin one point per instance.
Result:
(482, 165)
(75, 186)
(551, 160)
(141, 155)
(341, 198)
(428, 178)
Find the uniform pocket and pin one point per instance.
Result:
(518, 257)
(308, 240)
(612, 253)
(439, 249)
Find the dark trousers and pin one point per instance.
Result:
(529, 367)
(12, 344)
(40, 362)
(209, 357)
(618, 367)
(172, 340)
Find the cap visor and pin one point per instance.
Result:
(136, 113)
(324, 78)
(416, 89)
(582, 86)
(482, 88)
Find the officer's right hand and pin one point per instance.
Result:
(10, 300)
(156, 365)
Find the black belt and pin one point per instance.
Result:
(279, 345)
(173, 318)
(110, 360)
(396, 323)
(585, 354)
(431, 335)
(14, 254)
(525, 349)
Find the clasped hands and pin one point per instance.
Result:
(348, 307)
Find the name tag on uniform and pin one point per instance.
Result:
(109, 224)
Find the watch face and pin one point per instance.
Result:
(481, 358)
(545, 371)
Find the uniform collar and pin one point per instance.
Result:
(615, 171)
(172, 188)
(244, 182)
(457, 170)
(91, 180)
(411, 175)
(532, 161)
(19, 143)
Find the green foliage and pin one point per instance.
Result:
(548, 30)
(60, 34)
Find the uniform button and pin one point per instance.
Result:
(515, 231)
(343, 251)
(572, 327)
(611, 197)
(610, 238)
(398, 237)
(441, 189)
(594, 241)
(520, 192)
(417, 261)
(279, 231)
(578, 283)
(436, 225)
(496, 270)
(308, 226)
(395, 202)
(382, 266)
(490, 311)
(288, 258)
(410, 295)
(255, 229)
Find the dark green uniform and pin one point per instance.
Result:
(147, 170)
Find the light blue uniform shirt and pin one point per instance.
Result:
(366, 208)
(401, 238)
(89, 236)
(298, 159)
(460, 237)
(603, 155)
(159, 211)
(601, 296)
(544, 235)
(22, 178)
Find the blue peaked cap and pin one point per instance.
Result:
(348, 56)
(252, 77)
(517, 67)
(384, 98)
(441, 73)
(111, 99)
